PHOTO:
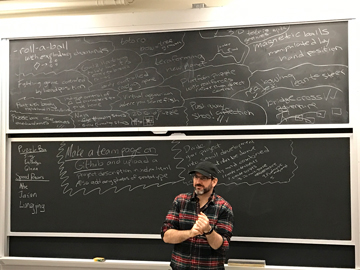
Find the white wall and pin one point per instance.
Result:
(239, 13)
(235, 13)
(2, 162)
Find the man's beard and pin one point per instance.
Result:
(203, 191)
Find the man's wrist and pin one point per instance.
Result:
(209, 232)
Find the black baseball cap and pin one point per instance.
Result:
(206, 168)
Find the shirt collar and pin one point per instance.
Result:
(211, 198)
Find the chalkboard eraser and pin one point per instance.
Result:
(177, 134)
(99, 259)
(247, 263)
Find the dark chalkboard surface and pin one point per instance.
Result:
(285, 254)
(284, 74)
(278, 187)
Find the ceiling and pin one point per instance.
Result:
(16, 8)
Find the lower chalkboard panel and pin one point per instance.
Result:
(282, 187)
(284, 254)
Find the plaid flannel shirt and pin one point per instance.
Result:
(195, 252)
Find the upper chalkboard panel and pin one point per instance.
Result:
(284, 74)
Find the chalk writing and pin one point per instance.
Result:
(290, 74)
(29, 177)
(94, 184)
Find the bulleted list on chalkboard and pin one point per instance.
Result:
(28, 180)
(273, 184)
(271, 75)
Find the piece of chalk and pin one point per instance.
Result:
(99, 259)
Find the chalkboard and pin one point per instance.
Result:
(308, 255)
(271, 75)
(278, 187)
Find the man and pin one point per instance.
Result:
(200, 224)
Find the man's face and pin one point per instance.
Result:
(202, 184)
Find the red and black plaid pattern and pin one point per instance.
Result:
(196, 253)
